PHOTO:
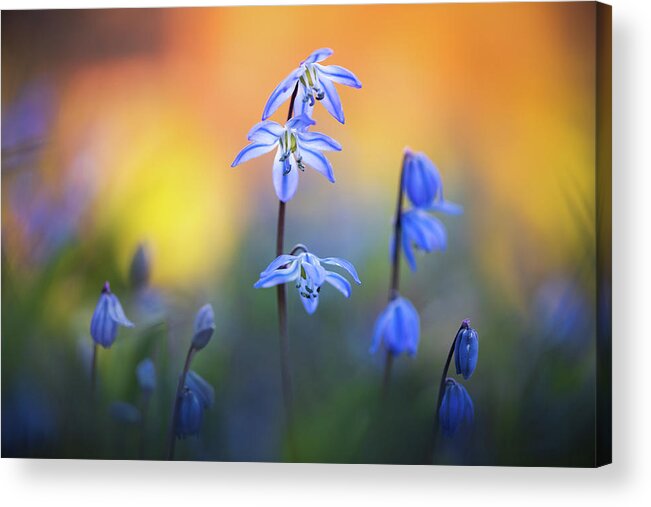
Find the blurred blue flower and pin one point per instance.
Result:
(307, 271)
(316, 84)
(204, 327)
(296, 147)
(107, 317)
(124, 412)
(456, 408)
(424, 231)
(466, 350)
(146, 375)
(398, 328)
(197, 396)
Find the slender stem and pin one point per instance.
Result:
(93, 369)
(281, 296)
(177, 397)
(444, 376)
(143, 424)
(395, 273)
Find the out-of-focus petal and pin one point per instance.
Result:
(379, 328)
(310, 304)
(204, 391)
(116, 312)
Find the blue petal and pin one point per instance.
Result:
(343, 263)
(302, 107)
(281, 260)
(310, 304)
(189, 415)
(447, 207)
(282, 92)
(284, 184)
(318, 161)
(279, 276)
(265, 132)
(300, 122)
(331, 101)
(318, 55)
(251, 151)
(318, 141)
(116, 312)
(407, 249)
(339, 75)
(313, 269)
(204, 327)
(339, 282)
(379, 328)
(204, 391)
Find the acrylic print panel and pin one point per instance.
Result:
(382, 237)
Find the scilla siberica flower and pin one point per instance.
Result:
(456, 408)
(466, 350)
(398, 328)
(306, 270)
(204, 327)
(424, 231)
(196, 397)
(296, 147)
(107, 317)
(316, 83)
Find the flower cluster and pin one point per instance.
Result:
(422, 183)
(456, 408)
(295, 145)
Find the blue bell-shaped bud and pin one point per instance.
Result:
(190, 415)
(421, 179)
(107, 317)
(456, 408)
(204, 327)
(466, 350)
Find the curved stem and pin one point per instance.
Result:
(395, 273)
(177, 397)
(281, 296)
(298, 247)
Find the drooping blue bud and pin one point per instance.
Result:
(190, 415)
(140, 269)
(146, 374)
(466, 350)
(201, 388)
(107, 317)
(456, 408)
(422, 180)
(398, 327)
(204, 327)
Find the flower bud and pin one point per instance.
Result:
(422, 181)
(466, 350)
(204, 327)
(190, 415)
(140, 269)
(146, 374)
(456, 408)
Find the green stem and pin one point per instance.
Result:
(177, 398)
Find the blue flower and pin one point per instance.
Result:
(307, 272)
(466, 350)
(423, 230)
(398, 327)
(423, 184)
(107, 317)
(296, 147)
(196, 397)
(316, 83)
(456, 408)
(204, 327)
(146, 375)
